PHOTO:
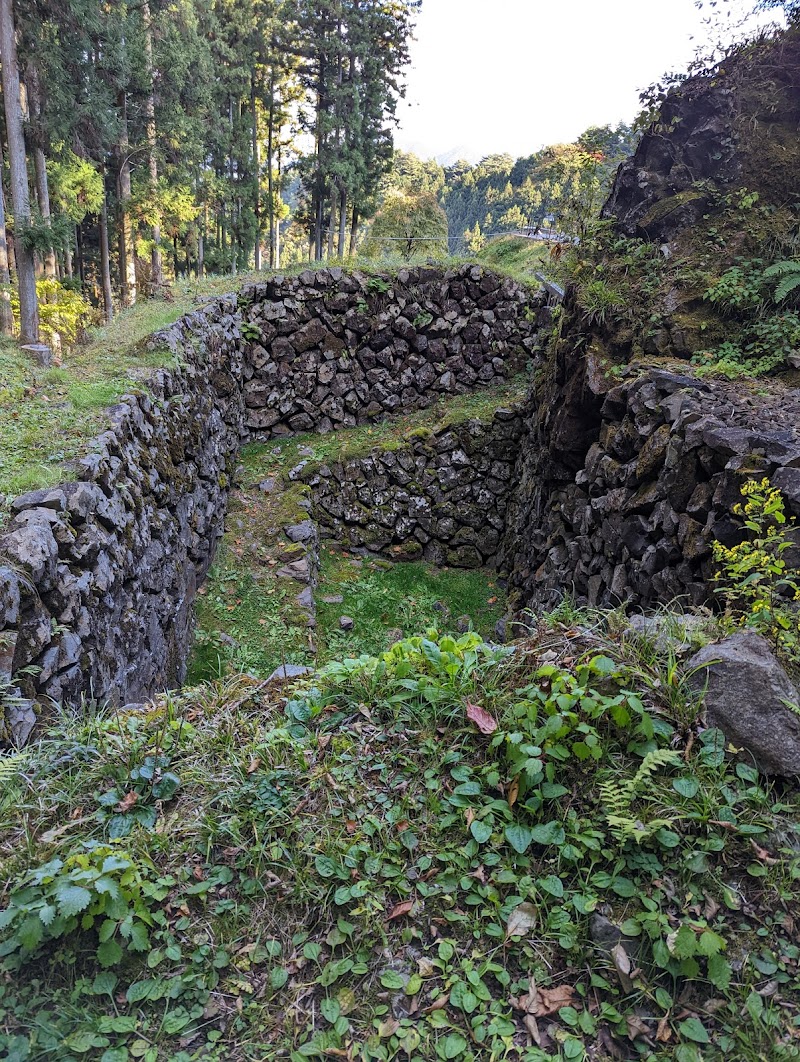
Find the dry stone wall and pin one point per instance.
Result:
(441, 497)
(621, 487)
(98, 575)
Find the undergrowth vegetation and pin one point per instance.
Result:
(449, 850)
(728, 284)
(755, 577)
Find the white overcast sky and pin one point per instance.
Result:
(513, 75)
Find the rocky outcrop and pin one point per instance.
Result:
(442, 496)
(98, 575)
(657, 193)
(732, 127)
(751, 699)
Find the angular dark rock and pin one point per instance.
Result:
(747, 696)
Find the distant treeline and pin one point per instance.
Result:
(558, 188)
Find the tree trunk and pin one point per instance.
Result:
(105, 260)
(40, 167)
(157, 269)
(6, 316)
(20, 192)
(278, 220)
(353, 232)
(79, 253)
(331, 222)
(270, 187)
(342, 220)
(126, 239)
(257, 173)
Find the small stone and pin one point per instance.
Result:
(606, 935)
(267, 486)
(305, 599)
(464, 624)
(302, 532)
(20, 721)
(288, 671)
(332, 599)
(346, 623)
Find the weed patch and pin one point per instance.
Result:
(445, 850)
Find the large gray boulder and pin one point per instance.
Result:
(747, 697)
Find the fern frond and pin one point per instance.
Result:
(10, 766)
(789, 271)
(787, 285)
(653, 762)
(618, 796)
(779, 269)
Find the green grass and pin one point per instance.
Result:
(360, 872)
(391, 600)
(517, 257)
(247, 618)
(48, 416)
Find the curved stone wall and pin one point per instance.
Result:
(442, 497)
(97, 576)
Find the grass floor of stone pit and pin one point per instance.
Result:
(247, 618)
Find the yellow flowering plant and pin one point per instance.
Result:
(753, 575)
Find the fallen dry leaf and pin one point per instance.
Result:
(532, 1026)
(636, 1027)
(664, 1033)
(400, 909)
(513, 792)
(622, 964)
(485, 722)
(127, 801)
(254, 764)
(438, 1004)
(710, 908)
(521, 920)
(542, 1002)
(763, 854)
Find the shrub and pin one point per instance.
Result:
(99, 888)
(63, 313)
(753, 574)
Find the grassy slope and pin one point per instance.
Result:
(49, 416)
(363, 874)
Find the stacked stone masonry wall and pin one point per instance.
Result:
(98, 575)
(441, 498)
